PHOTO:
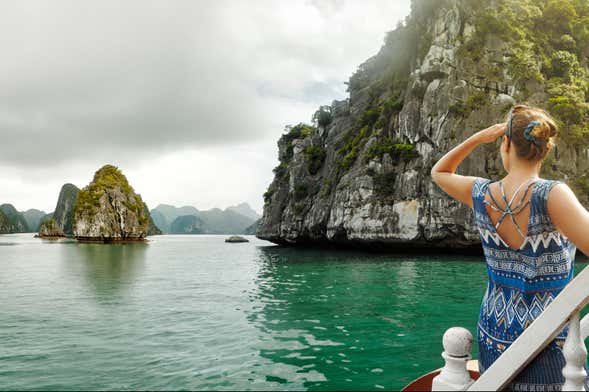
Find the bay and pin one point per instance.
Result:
(194, 312)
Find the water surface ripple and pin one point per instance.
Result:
(192, 312)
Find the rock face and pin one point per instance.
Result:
(17, 220)
(50, 229)
(361, 174)
(108, 209)
(64, 210)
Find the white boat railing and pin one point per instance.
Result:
(566, 307)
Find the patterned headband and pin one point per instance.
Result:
(509, 125)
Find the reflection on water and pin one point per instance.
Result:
(106, 268)
(192, 312)
(344, 320)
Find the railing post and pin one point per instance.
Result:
(454, 376)
(575, 354)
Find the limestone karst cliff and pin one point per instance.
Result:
(18, 223)
(360, 173)
(6, 226)
(108, 209)
(64, 210)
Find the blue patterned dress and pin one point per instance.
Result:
(522, 282)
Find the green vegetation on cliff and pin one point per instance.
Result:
(109, 209)
(299, 131)
(315, 156)
(109, 177)
(49, 229)
(547, 42)
(350, 151)
(397, 151)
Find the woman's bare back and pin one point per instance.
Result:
(518, 197)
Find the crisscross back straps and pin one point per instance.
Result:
(510, 210)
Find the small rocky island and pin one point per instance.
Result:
(236, 239)
(50, 229)
(109, 210)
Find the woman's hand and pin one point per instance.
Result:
(444, 171)
(489, 135)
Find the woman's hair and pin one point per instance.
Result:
(532, 131)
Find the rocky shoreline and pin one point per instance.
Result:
(95, 240)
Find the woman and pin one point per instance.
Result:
(529, 228)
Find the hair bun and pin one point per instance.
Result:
(533, 132)
(542, 130)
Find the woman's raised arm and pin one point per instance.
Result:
(569, 216)
(444, 171)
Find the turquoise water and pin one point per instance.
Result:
(192, 312)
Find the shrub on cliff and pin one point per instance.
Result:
(397, 151)
(323, 116)
(315, 157)
(350, 151)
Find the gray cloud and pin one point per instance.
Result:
(84, 78)
(87, 82)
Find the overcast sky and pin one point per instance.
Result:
(188, 98)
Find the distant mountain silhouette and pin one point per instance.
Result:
(33, 218)
(251, 230)
(187, 224)
(245, 210)
(180, 220)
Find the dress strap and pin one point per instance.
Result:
(539, 208)
(509, 209)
